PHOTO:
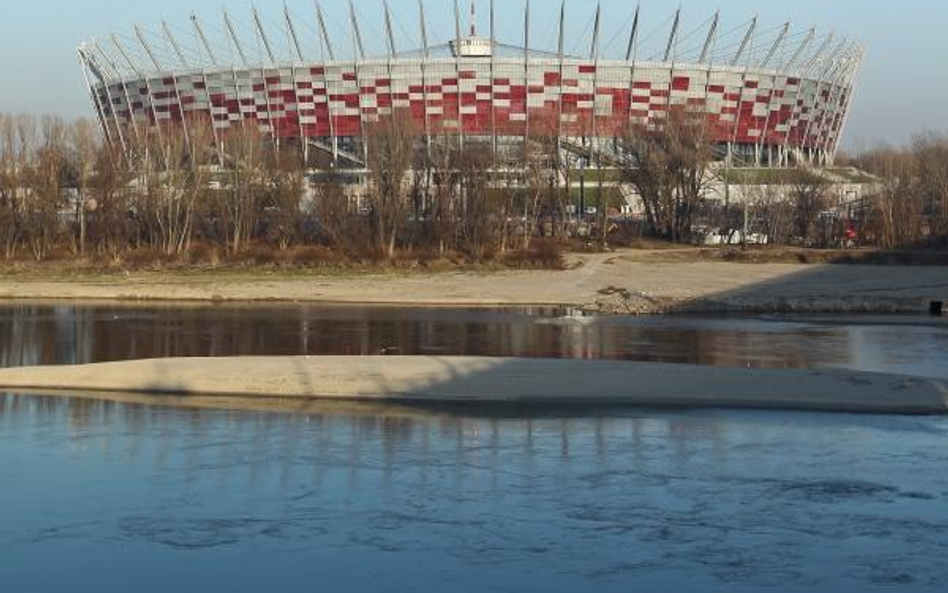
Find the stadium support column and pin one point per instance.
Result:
(788, 67)
(526, 80)
(295, 42)
(836, 81)
(117, 76)
(423, 28)
(274, 135)
(86, 65)
(358, 58)
(210, 53)
(631, 53)
(748, 38)
(174, 82)
(709, 41)
(818, 95)
(851, 91)
(601, 203)
(324, 33)
(594, 58)
(392, 52)
(559, 108)
(707, 62)
(493, 111)
(807, 71)
(243, 58)
(674, 35)
(151, 95)
(671, 55)
(263, 36)
(424, 76)
(763, 66)
(236, 41)
(457, 73)
(184, 63)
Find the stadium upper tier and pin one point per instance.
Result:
(779, 90)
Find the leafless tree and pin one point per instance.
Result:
(109, 202)
(45, 182)
(771, 214)
(85, 143)
(338, 219)
(440, 181)
(539, 165)
(391, 154)
(931, 154)
(284, 183)
(895, 207)
(479, 221)
(240, 199)
(668, 166)
(810, 196)
(178, 181)
(14, 159)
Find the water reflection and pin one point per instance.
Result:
(70, 334)
(214, 500)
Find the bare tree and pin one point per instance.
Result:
(14, 158)
(390, 152)
(284, 182)
(810, 196)
(439, 178)
(771, 213)
(45, 198)
(894, 217)
(338, 219)
(85, 144)
(176, 177)
(109, 202)
(668, 166)
(478, 223)
(539, 167)
(240, 199)
(931, 153)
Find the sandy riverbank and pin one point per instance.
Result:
(608, 283)
(491, 382)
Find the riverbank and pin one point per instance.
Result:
(490, 382)
(630, 282)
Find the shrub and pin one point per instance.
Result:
(257, 254)
(202, 254)
(545, 255)
(145, 257)
(315, 256)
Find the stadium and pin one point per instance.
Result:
(773, 97)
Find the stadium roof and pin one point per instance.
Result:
(295, 35)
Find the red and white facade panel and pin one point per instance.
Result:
(500, 97)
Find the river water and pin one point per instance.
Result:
(107, 497)
(75, 334)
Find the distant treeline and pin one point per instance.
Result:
(182, 194)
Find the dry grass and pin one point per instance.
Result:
(261, 259)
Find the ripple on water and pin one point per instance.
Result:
(834, 491)
(197, 533)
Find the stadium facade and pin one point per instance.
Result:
(771, 97)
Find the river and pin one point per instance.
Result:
(108, 497)
(85, 333)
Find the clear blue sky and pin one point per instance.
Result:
(903, 87)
